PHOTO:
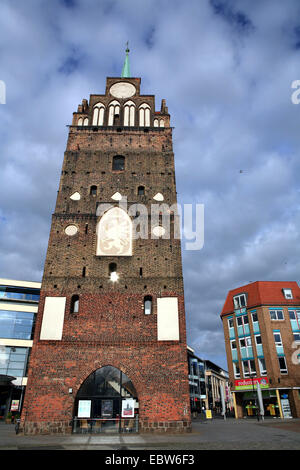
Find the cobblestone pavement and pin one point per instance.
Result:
(216, 434)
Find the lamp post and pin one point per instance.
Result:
(256, 409)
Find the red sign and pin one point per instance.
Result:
(248, 384)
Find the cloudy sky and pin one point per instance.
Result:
(225, 69)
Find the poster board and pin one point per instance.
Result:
(106, 408)
(128, 408)
(84, 408)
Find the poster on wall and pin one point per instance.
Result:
(14, 405)
(84, 409)
(128, 408)
(106, 408)
(286, 410)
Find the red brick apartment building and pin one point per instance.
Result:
(261, 324)
(109, 352)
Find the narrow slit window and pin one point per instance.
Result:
(148, 305)
(141, 190)
(93, 191)
(74, 304)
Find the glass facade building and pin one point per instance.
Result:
(18, 308)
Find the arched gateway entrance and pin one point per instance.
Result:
(106, 402)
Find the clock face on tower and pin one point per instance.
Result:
(122, 90)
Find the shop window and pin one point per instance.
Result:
(118, 163)
(148, 305)
(74, 304)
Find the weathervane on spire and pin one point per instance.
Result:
(126, 68)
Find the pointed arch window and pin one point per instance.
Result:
(144, 115)
(113, 113)
(80, 122)
(114, 234)
(129, 113)
(98, 114)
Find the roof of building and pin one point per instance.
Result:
(263, 293)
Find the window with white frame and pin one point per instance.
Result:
(282, 365)
(230, 323)
(276, 314)
(254, 317)
(240, 301)
(296, 337)
(242, 320)
(295, 319)
(258, 340)
(249, 368)
(294, 315)
(233, 345)
(277, 338)
(262, 366)
(288, 293)
(236, 370)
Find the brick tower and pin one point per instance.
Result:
(110, 329)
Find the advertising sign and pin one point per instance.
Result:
(14, 405)
(248, 384)
(84, 409)
(208, 414)
(128, 408)
(286, 410)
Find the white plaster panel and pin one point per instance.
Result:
(53, 318)
(167, 319)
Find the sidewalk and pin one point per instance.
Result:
(215, 434)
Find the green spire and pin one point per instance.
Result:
(126, 68)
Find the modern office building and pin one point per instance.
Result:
(261, 324)
(215, 378)
(18, 308)
(196, 369)
(110, 341)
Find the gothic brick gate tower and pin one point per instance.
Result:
(110, 328)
